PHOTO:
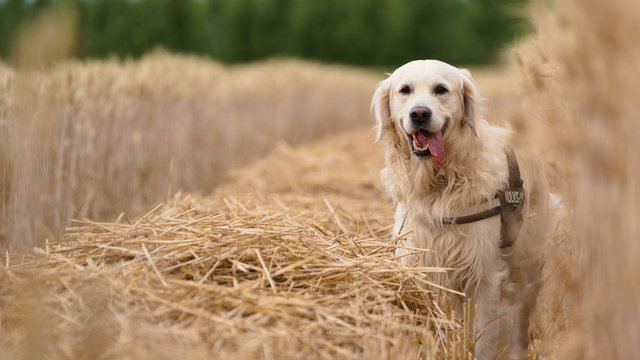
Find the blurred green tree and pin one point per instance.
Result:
(12, 14)
(362, 32)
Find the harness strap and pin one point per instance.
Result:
(511, 200)
(473, 218)
(510, 208)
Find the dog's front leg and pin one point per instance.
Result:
(493, 316)
(487, 322)
(400, 224)
(526, 302)
(520, 330)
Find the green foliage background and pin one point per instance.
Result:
(361, 32)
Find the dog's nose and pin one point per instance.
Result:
(420, 115)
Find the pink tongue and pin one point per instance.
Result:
(436, 147)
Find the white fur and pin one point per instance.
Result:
(504, 283)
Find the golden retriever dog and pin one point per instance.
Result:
(443, 163)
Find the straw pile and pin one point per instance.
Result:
(289, 261)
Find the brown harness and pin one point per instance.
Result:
(510, 208)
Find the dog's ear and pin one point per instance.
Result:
(379, 110)
(470, 101)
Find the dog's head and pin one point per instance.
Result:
(425, 106)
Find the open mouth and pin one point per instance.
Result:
(424, 144)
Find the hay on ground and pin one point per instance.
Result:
(301, 267)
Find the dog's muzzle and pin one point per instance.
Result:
(425, 144)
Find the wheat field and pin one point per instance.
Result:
(96, 139)
(288, 253)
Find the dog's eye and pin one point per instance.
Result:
(405, 89)
(439, 90)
